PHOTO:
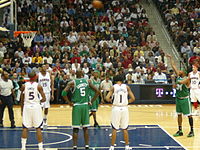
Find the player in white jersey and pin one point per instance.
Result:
(194, 77)
(120, 115)
(31, 109)
(46, 81)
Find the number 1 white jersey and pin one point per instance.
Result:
(120, 95)
(45, 82)
(31, 94)
(195, 78)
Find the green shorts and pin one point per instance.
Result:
(183, 106)
(80, 116)
(95, 105)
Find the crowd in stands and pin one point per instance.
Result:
(71, 35)
(183, 22)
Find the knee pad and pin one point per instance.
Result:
(75, 130)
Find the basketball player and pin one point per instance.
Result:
(183, 105)
(47, 83)
(79, 101)
(93, 108)
(120, 115)
(31, 109)
(194, 77)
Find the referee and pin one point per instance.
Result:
(6, 98)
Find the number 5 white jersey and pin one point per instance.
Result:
(195, 78)
(31, 94)
(45, 82)
(120, 95)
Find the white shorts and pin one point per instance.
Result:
(46, 104)
(120, 117)
(195, 95)
(32, 116)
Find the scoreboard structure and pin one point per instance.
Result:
(153, 93)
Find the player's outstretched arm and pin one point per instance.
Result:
(40, 89)
(173, 64)
(69, 86)
(97, 92)
(109, 95)
(131, 95)
(22, 98)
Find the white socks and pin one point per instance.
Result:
(23, 141)
(40, 145)
(45, 117)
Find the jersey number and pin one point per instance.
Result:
(82, 91)
(179, 87)
(120, 98)
(31, 96)
(44, 85)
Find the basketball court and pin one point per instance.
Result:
(142, 137)
(151, 128)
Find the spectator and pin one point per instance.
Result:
(27, 59)
(105, 85)
(160, 77)
(3, 50)
(20, 53)
(6, 99)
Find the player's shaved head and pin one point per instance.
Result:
(32, 75)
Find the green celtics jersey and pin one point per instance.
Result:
(81, 91)
(97, 85)
(181, 89)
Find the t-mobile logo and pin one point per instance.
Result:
(159, 92)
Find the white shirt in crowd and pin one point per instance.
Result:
(160, 78)
(106, 85)
(6, 87)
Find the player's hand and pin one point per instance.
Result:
(90, 103)
(52, 97)
(71, 104)
(42, 100)
(1, 102)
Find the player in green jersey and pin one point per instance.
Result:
(183, 104)
(94, 107)
(79, 101)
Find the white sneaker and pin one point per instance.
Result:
(195, 112)
(111, 148)
(128, 148)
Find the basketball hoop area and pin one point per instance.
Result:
(27, 37)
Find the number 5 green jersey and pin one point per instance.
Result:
(80, 94)
(181, 89)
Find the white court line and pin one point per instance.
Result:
(59, 142)
(172, 137)
(145, 145)
(97, 148)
